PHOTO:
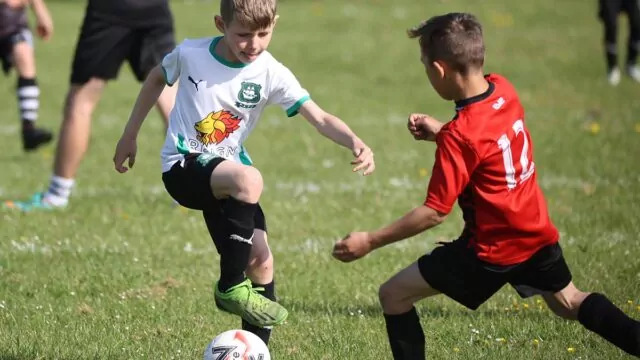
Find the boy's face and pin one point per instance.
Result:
(245, 44)
(437, 74)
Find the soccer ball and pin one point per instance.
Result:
(237, 345)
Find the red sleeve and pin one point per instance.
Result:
(455, 162)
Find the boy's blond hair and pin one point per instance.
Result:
(455, 38)
(253, 14)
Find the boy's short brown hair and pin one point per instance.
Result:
(455, 38)
(254, 14)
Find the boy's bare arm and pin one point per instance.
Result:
(148, 96)
(335, 129)
(358, 244)
(44, 21)
(424, 127)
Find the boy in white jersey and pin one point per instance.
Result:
(224, 85)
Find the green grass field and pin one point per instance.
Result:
(123, 274)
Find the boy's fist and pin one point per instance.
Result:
(423, 127)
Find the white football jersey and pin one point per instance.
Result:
(219, 103)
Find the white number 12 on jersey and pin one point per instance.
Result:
(507, 156)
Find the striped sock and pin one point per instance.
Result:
(28, 102)
(59, 191)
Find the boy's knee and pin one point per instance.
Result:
(569, 304)
(261, 261)
(387, 294)
(249, 184)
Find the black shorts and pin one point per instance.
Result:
(104, 45)
(188, 184)
(454, 270)
(608, 10)
(7, 43)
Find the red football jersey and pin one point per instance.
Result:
(484, 158)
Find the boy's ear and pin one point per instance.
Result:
(440, 67)
(217, 20)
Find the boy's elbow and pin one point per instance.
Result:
(435, 217)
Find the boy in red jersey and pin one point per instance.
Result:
(484, 160)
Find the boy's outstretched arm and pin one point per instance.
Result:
(358, 244)
(455, 162)
(336, 130)
(148, 96)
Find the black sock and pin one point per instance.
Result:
(611, 52)
(28, 94)
(263, 333)
(406, 336)
(236, 248)
(599, 315)
(632, 54)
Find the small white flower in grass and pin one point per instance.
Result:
(188, 247)
(135, 259)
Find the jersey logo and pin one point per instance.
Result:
(194, 82)
(498, 104)
(249, 95)
(216, 127)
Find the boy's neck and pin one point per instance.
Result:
(471, 85)
(223, 51)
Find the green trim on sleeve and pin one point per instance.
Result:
(293, 110)
(166, 78)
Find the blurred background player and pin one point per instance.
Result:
(16, 50)
(609, 11)
(139, 31)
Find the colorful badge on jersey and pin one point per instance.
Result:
(216, 127)
(249, 95)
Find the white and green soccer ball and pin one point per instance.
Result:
(237, 345)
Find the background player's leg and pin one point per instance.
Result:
(633, 46)
(260, 271)
(397, 297)
(28, 92)
(100, 50)
(609, 15)
(598, 314)
(73, 141)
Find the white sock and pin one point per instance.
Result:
(59, 191)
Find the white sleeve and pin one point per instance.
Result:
(171, 66)
(287, 91)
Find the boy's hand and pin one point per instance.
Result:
(352, 247)
(126, 149)
(363, 160)
(423, 127)
(44, 27)
(16, 4)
